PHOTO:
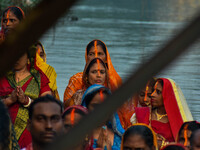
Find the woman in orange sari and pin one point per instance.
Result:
(140, 99)
(95, 72)
(95, 48)
(169, 111)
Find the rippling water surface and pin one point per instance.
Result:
(133, 32)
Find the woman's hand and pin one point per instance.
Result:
(21, 96)
(161, 141)
(103, 139)
(13, 96)
(11, 99)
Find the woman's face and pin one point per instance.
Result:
(9, 22)
(156, 96)
(21, 63)
(97, 74)
(96, 100)
(144, 101)
(41, 52)
(98, 52)
(182, 138)
(68, 122)
(135, 142)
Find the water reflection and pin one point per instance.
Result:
(133, 31)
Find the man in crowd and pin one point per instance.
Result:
(45, 122)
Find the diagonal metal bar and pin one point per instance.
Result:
(40, 20)
(158, 62)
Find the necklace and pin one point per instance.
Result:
(158, 116)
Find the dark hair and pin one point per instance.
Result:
(93, 61)
(174, 147)
(89, 97)
(142, 130)
(18, 12)
(100, 43)
(192, 137)
(192, 126)
(80, 112)
(4, 127)
(44, 99)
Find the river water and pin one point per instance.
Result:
(133, 32)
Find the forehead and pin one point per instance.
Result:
(158, 85)
(9, 14)
(96, 65)
(99, 48)
(67, 118)
(135, 141)
(97, 98)
(40, 47)
(46, 108)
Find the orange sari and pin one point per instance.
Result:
(75, 82)
(77, 96)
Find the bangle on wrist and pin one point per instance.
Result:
(28, 102)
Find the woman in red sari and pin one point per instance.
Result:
(18, 89)
(169, 111)
(20, 86)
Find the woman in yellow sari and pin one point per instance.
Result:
(48, 70)
(95, 48)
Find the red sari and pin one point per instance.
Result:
(19, 113)
(176, 109)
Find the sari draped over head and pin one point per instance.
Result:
(33, 86)
(142, 124)
(113, 123)
(77, 96)
(2, 36)
(75, 82)
(79, 107)
(88, 140)
(49, 71)
(92, 89)
(176, 108)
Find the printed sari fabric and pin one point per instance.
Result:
(125, 112)
(50, 72)
(176, 108)
(75, 82)
(33, 87)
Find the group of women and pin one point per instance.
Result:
(149, 120)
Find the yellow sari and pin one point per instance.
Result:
(49, 71)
